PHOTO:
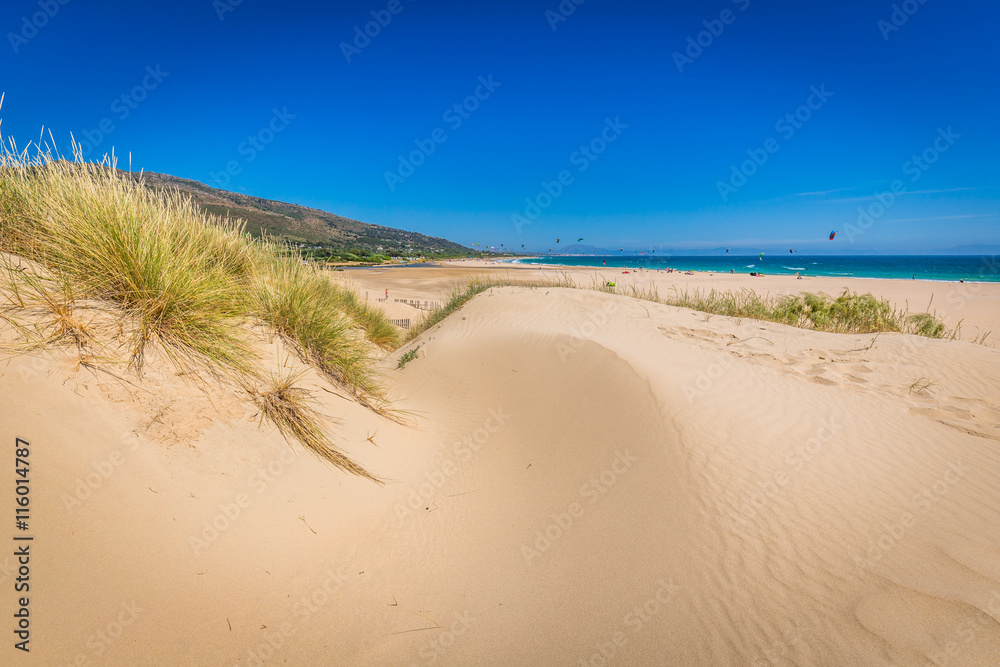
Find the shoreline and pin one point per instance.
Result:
(804, 272)
(973, 306)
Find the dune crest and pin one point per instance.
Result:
(590, 478)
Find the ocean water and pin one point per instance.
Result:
(902, 267)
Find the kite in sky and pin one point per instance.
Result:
(579, 239)
(832, 234)
(761, 258)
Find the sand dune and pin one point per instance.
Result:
(587, 479)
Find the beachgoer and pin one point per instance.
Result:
(732, 270)
(386, 293)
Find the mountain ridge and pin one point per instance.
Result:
(300, 224)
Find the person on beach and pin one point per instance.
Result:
(386, 293)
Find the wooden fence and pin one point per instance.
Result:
(422, 305)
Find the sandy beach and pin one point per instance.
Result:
(299, 366)
(975, 305)
(580, 479)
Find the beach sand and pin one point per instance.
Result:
(584, 479)
(976, 306)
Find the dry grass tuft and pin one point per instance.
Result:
(290, 409)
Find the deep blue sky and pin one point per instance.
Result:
(655, 185)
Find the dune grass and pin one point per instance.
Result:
(289, 408)
(171, 275)
(306, 308)
(462, 294)
(81, 237)
(849, 313)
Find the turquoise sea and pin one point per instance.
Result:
(902, 267)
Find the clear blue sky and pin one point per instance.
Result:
(680, 127)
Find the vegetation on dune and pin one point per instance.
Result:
(288, 407)
(462, 294)
(848, 313)
(88, 245)
(315, 314)
(407, 357)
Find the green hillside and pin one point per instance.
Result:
(324, 233)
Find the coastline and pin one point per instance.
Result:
(975, 306)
